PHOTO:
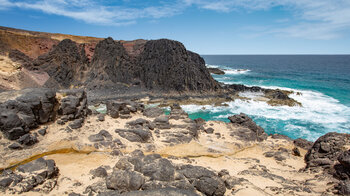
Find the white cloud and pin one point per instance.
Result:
(4, 4)
(316, 19)
(93, 12)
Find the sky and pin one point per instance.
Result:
(203, 26)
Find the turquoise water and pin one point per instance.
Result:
(323, 80)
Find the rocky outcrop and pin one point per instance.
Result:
(27, 109)
(33, 107)
(167, 65)
(216, 71)
(163, 65)
(65, 65)
(275, 96)
(154, 174)
(123, 109)
(326, 150)
(111, 64)
(249, 130)
(72, 106)
(330, 155)
(28, 176)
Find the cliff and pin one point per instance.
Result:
(63, 61)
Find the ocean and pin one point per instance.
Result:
(322, 80)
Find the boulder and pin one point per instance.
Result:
(135, 135)
(42, 131)
(99, 172)
(30, 108)
(209, 130)
(76, 124)
(162, 122)
(26, 177)
(250, 130)
(73, 105)
(154, 192)
(15, 146)
(101, 136)
(153, 112)
(125, 181)
(123, 108)
(101, 117)
(326, 149)
(28, 139)
(203, 179)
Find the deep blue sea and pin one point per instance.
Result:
(322, 80)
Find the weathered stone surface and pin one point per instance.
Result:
(153, 112)
(204, 180)
(123, 108)
(154, 192)
(125, 181)
(177, 112)
(101, 117)
(162, 122)
(302, 143)
(99, 172)
(76, 124)
(344, 187)
(250, 131)
(26, 177)
(31, 108)
(209, 130)
(167, 65)
(279, 136)
(64, 64)
(28, 139)
(42, 132)
(152, 172)
(140, 122)
(326, 149)
(15, 146)
(216, 71)
(296, 152)
(73, 105)
(135, 135)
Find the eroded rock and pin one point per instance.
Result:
(250, 131)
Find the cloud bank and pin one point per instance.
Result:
(321, 19)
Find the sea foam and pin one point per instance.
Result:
(318, 115)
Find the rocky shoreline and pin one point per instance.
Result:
(54, 141)
(60, 147)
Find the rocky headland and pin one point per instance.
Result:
(76, 119)
(109, 69)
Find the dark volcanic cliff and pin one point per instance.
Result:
(110, 64)
(166, 64)
(161, 65)
(64, 64)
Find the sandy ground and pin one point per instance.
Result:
(262, 175)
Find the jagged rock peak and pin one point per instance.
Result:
(166, 64)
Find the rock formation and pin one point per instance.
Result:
(216, 71)
(163, 65)
(166, 64)
(29, 108)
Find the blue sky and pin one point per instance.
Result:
(204, 26)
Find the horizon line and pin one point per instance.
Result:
(268, 54)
